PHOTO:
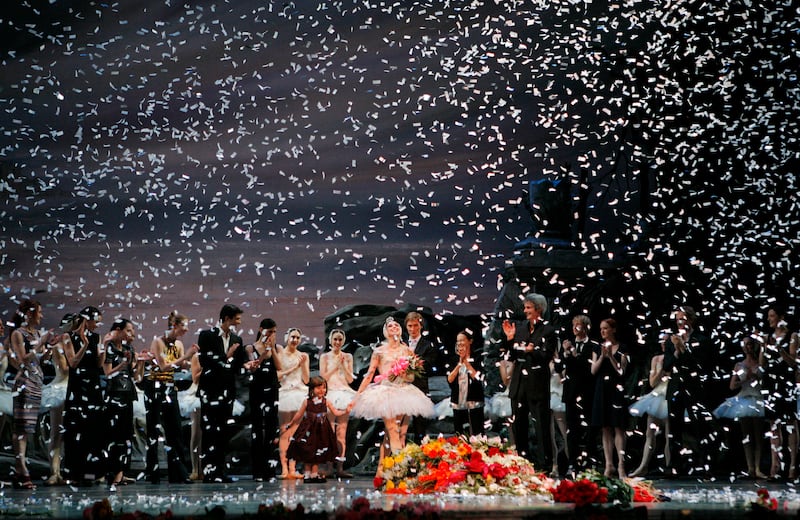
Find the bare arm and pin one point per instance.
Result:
(304, 364)
(108, 369)
(597, 360)
(18, 355)
(326, 369)
(73, 357)
(656, 370)
(373, 367)
(739, 371)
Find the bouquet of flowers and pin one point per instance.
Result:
(764, 503)
(591, 487)
(474, 466)
(580, 492)
(405, 368)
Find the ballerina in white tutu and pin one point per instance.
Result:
(654, 406)
(53, 396)
(336, 366)
(747, 407)
(391, 396)
(293, 392)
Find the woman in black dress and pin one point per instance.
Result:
(777, 359)
(265, 428)
(609, 409)
(84, 408)
(120, 360)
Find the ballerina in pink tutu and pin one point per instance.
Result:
(391, 396)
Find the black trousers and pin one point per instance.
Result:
(161, 407)
(526, 410)
(120, 416)
(215, 412)
(265, 431)
(579, 434)
(85, 443)
(469, 422)
(689, 418)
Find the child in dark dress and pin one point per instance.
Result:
(314, 441)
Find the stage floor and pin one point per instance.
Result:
(687, 499)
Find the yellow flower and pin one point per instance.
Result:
(389, 485)
(402, 485)
(388, 462)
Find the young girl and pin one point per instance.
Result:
(314, 442)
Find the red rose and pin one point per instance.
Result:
(378, 482)
(476, 464)
(498, 471)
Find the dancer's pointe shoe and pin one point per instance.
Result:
(757, 474)
(621, 472)
(609, 472)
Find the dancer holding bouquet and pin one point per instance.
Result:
(391, 396)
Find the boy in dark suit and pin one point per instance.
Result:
(425, 350)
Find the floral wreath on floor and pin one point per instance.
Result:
(481, 465)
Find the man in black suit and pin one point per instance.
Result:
(220, 357)
(578, 394)
(425, 350)
(531, 344)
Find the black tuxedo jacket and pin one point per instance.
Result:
(426, 351)
(530, 379)
(578, 380)
(218, 374)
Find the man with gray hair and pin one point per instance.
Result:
(531, 344)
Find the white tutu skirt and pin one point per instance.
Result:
(442, 409)
(389, 399)
(6, 402)
(341, 397)
(139, 412)
(291, 399)
(740, 406)
(499, 406)
(556, 391)
(653, 404)
(188, 401)
(54, 395)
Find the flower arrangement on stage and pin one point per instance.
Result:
(405, 368)
(475, 466)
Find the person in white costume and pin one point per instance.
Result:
(394, 401)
